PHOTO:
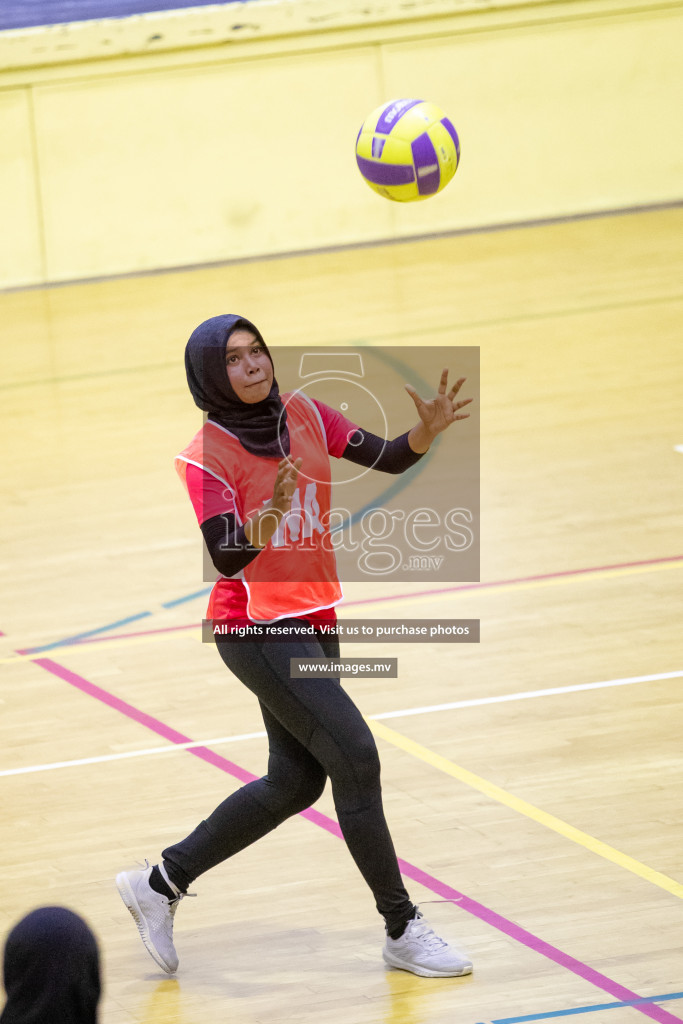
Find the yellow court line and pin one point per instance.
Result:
(575, 835)
(469, 778)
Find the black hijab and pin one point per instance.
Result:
(261, 427)
(51, 970)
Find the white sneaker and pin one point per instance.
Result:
(421, 951)
(153, 914)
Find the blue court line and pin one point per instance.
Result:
(70, 640)
(187, 597)
(586, 1009)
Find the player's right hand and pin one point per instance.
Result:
(285, 484)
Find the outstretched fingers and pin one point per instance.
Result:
(459, 405)
(456, 387)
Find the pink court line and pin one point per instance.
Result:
(521, 579)
(443, 890)
(401, 596)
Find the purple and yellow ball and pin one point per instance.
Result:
(407, 150)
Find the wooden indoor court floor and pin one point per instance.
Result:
(537, 809)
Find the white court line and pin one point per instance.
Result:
(170, 748)
(406, 712)
(527, 695)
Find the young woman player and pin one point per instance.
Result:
(252, 453)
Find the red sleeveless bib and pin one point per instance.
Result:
(296, 572)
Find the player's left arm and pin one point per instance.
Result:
(396, 456)
(374, 452)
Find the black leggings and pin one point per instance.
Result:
(314, 730)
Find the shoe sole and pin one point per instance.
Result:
(128, 896)
(424, 972)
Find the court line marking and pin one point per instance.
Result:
(518, 583)
(501, 796)
(170, 748)
(187, 597)
(552, 691)
(442, 889)
(404, 713)
(113, 641)
(79, 637)
(533, 582)
(585, 1009)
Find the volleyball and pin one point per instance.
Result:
(407, 150)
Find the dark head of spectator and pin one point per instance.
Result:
(51, 970)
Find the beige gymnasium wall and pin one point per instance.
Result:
(224, 132)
